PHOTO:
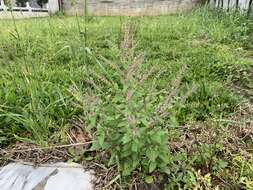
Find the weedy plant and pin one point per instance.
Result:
(130, 115)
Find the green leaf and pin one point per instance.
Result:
(126, 138)
(101, 138)
(223, 164)
(157, 137)
(135, 147)
(152, 167)
(173, 121)
(126, 170)
(145, 122)
(72, 151)
(95, 146)
(165, 157)
(112, 160)
(89, 158)
(123, 124)
(135, 163)
(149, 179)
(93, 121)
(2, 139)
(152, 154)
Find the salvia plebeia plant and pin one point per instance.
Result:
(127, 115)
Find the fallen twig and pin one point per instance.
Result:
(44, 148)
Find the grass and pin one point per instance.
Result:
(166, 99)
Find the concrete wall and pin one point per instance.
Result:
(129, 7)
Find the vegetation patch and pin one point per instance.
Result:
(147, 102)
